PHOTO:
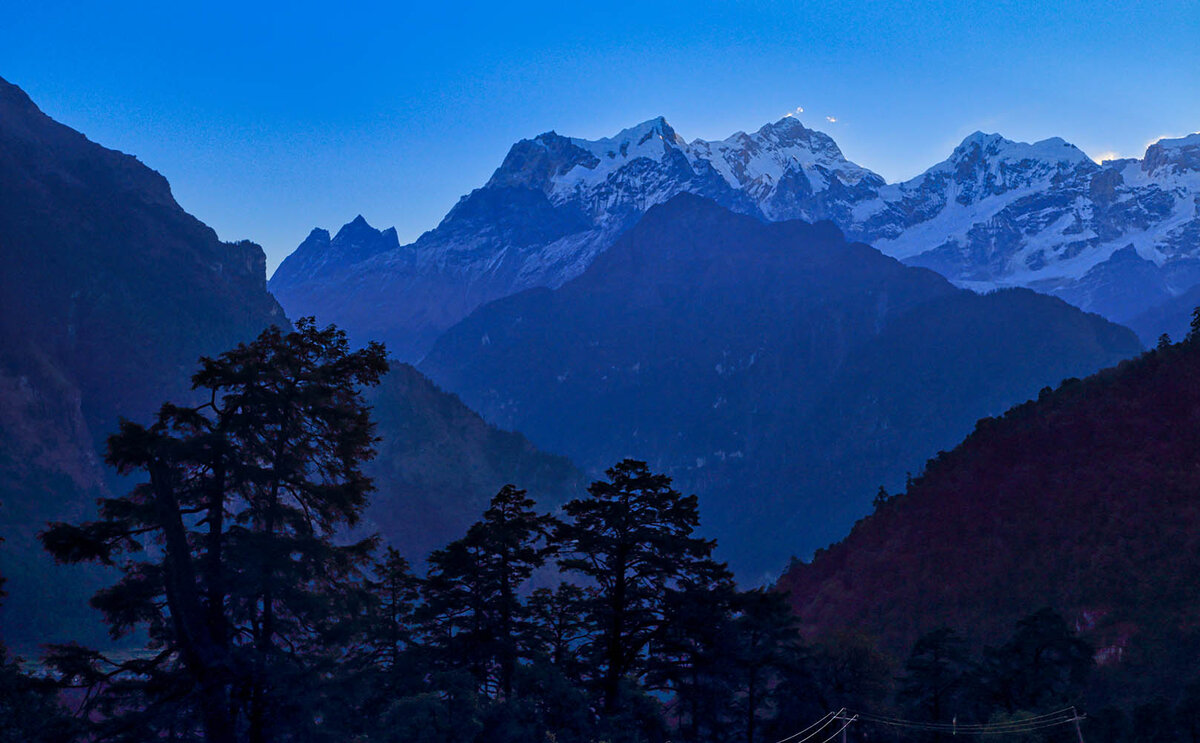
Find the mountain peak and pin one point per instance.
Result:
(980, 144)
(356, 241)
(12, 95)
(355, 230)
(658, 124)
(994, 147)
(1180, 155)
(791, 132)
(981, 137)
(651, 138)
(788, 123)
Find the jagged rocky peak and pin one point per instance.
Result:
(1179, 156)
(548, 159)
(755, 163)
(786, 141)
(988, 165)
(784, 165)
(318, 239)
(535, 163)
(359, 236)
(356, 241)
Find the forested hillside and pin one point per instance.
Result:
(1084, 499)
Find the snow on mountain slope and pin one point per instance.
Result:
(995, 214)
(547, 211)
(783, 165)
(1114, 238)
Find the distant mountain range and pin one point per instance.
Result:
(776, 369)
(1121, 238)
(1083, 500)
(109, 294)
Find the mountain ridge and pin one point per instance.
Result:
(109, 291)
(761, 358)
(109, 294)
(995, 214)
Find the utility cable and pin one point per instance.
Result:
(962, 726)
(843, 727)
(815, 728)
(1036, 722)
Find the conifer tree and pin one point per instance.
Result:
(767, 650)
(394, 628)
(1043, 665)
(633, 537)
(693, 654)
(471, 593)
(226, 549)
(935, 678)
(558, 628)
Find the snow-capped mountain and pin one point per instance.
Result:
(1117, 238)
(551, 206)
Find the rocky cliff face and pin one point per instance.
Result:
(105, 278)
(109, 291)
(995, 214)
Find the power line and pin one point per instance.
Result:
(1010, 726)
(995, 730)
(842, 730)
(1032, 723)
(816, 728)
(961, 726)
(1066, 716)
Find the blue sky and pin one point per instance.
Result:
(269, 119)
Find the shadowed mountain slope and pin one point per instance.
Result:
(1117, 238)
(775, 368)
(109, 294)
(1083, 500)
(439, 463)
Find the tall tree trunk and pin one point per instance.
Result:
(614, 646)
(265, 640)
(201, 653)
(507, 642)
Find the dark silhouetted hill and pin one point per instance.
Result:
(1085, 500)
(776, 369)
(109, 294)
